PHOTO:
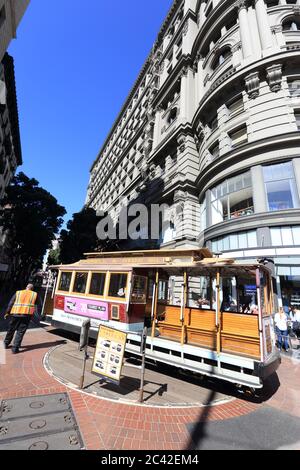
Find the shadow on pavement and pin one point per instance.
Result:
(199, 433)
(33, 347)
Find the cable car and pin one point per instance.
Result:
(208, 315)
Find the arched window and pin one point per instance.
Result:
(291, 24)
(172, 115)
(221, 57)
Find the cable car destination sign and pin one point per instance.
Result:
(109, 354)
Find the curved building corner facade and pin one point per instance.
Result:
(211, 128)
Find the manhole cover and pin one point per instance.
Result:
(39, 424)
(48, 422)
(39, 446)
(36, 405)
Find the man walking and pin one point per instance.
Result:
(21, 309)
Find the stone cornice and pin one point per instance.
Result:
(184, 62)
(256, 67)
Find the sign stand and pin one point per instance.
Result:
(84, 342)
(143, 351)
(109, 354)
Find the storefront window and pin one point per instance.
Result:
(203, 215)
(281, 186)
(285, 236)
(232, 199)
(239, 241)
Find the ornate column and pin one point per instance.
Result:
(157, 127)
(185, 92)
(202, 16)
(263, 24)
(199, 79)
(244, 29)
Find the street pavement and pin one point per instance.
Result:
(271, 422)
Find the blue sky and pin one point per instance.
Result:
(75, 65)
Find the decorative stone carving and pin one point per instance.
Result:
(184, 72)
(252, 85)
(181, 141)
(241, 4)
(296, 10)
(185, 28)
(236, 47)
(199, 135)
(277, 29)
(274, 77)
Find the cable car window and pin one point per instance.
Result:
(65, 282)
(139, 290)
(229, 303)
(117, 285)
(247, 295)
(163, 291)
(97, 284)
(80, 283)
(199, 292)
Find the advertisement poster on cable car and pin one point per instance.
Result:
(268, 338)
(109, 354)
(88, 308)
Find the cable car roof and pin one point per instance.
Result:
(170, 260)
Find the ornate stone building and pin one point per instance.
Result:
(11, 13)
(211, 127)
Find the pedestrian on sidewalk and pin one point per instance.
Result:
(295, 318)
(281, 324)
(21, 309)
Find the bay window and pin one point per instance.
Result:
(281, 186)
(232, 199)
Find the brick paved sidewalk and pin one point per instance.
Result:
(107, 425)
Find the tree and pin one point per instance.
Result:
(80, 236)
(54, 257)
(31, 216)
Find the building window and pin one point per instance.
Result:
(221, 57)
(232, 199)
(172, 116)
(285, 236)
(294, 87)
(291, 24)
(239, 136)
(272, 3)
(236, 106)
(297, 117)
(281, 186)
(213, 124)
(236, 241)
(215, 150)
